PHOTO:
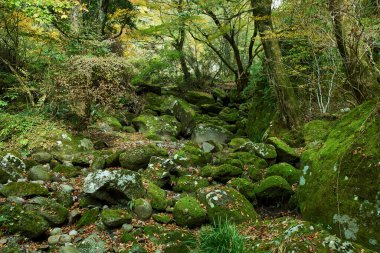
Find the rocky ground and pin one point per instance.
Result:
(148, 183)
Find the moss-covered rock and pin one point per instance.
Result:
(226, 203)
(163, 127)
(162, 218)
(285, 170)
(263, 150)
(55, 213)
(158, 170)
(254, 173)
(189, 212)
(23, 189)
(212, 109)
(42, 157)
(221, 173)
(89, 217)
(249, 159)
(340, 185)
(156, 196)
(199, 98)
(27, 223)
(186, 115)
(230, 115)
(114, 218)
(142, 208)
(11, 168)
(98, 163)
(67, 170)
(244, 186)
(136, 158)
(39, 172)
(204, 132)
(238, 142)
(114, 187)
(316, 130)
(273, 188)
(191, 155)
(113, 122)
(189, 183)
(284, 152)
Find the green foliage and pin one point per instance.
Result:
(222, 237)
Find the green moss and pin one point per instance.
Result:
(191, 155)
(188, 212)
(162, 126)
(23, 189)
(136, 158)
(285, 170)
(249, 159)
(273, 188)
(199, 97)
(236, 143)
(189, 183)
(230, 115)
(185, 114)
(316, 130)
(284, 152)
(254, 173)
(221, 173)
(340, 185)
(244, 186)
(53, 212)
(162, 218)
(114, 218)
(113, 122)
(67, 171)
(89, 217)
(226, 203)
(157, 197)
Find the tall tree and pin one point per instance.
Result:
(262, 11)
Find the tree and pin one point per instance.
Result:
(262, 11)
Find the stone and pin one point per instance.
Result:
(54, 239)
(273, 188)
(188, 212)
(114, 218)
(316, 130)
(27, 223)
(189, 183)
(230, 115)
(244, 186)
(116, 186)
(11, 168)
(225, 203)
(42, 157)
(199, 98)
(221, 173)
(39, 172)
(68, 249)
(56, 231)
(262, 150)
(284, 152)
(162, 218)
(163, 127)
(67, 171)
(138, 157)
(206, 132)
(142, 209)
(55, 213)
(185, 114)
(23, 189)
(93, 243)
(285, 170)
(127, 227)
(156, 196)
(191, 155)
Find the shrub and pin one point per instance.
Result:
(222, 237)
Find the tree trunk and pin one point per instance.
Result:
(180, 45)
(285, 92)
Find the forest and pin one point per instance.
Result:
(189, 126)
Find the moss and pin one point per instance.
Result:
(142, 208)
(230, 115)
(346, 167)
(209, 131)
(89, 217)
(284, 152)
(254, 173)
(244, 186)
(39, 172)
(191, 155)
(138, 157)
(114, 218)
(249, 159)
(162, 218)
(23, 189)
(316, 130)
(199, 97)
(157, 197)
(188, 212)
(189, 183)
(285, 170)
(186, 115)
(236, 143)
(226, 203)
(27, 223)
(221, 173)
(273, 188)
(53, 212)
(162, 126)
(263, 150)
(113, 122)
(67, 171)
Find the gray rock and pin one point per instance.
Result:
(39, 172)
(92, 244)
(142, 209)
(68, 249)
(114, 218)
(54, 239)
(127, 227)
(56, 231)
(65, 239)
(209, 132)
(114, 186)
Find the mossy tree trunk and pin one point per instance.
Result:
(277, 74)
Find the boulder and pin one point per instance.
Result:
(114, 218)
(199, 98)
(42, 157)
(11, 168)
(142, 208)
(23, 189)
(316, 130)
(114, 186)
(221, 173)
(27, 223)
(93, 243)
(230, 115)
(68, 171)
(285, 170)
(263, 150)
(55, 213)
(188, 212)
(226, 203)
(89, 217)
(273, 189)
(205, 132)
(135, 158)
(156, 196)
(244, 186)
(164, 127)
(39, 172)
(340, 183)
(191, 155)
(189, 183)
(284, 152)
(185, 114)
